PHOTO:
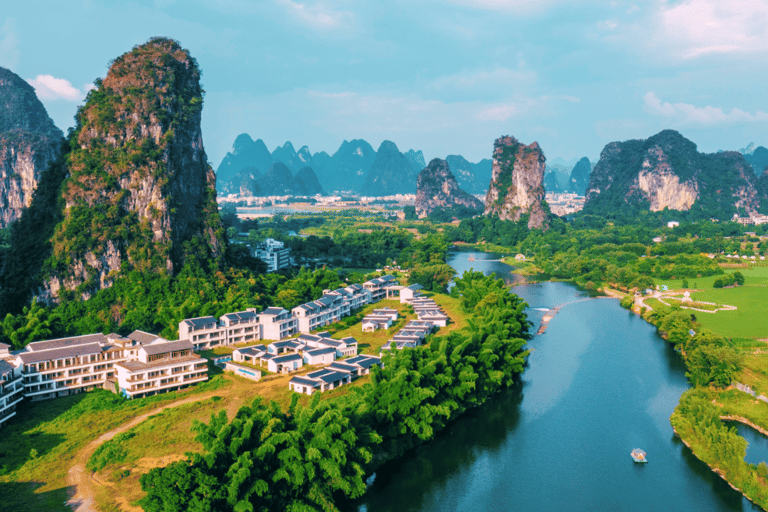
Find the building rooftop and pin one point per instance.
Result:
(200, 321)
(304, 382)
(37, 346)
(166, 347)
(241, 315)
(134, 366)
(144, 338)
(273, 311)
(320, 351)
(60, 353)
(286, 358)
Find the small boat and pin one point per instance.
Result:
(638, 455)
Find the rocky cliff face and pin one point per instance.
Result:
(29, 142)
(140, 194)
(436, 187)
(390, 174)
(667, 171)
(517, 183)
(346, 170)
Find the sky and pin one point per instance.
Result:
(441, 76)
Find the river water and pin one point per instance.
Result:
(600, 382)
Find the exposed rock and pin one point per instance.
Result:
(661, 186)
(278, 181)
(517, 183)
(29, 142)
(471, 177)
(390, 173)
(246, 153)
(436, 187)
(140, 188)
(667, 171)
(580, 177)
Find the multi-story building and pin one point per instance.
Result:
(277, 323)
(241, 327)
(65, 366)
(355, 295)
(274, 254)
(324, 311)
(11, 387)
(159, 367)
(204, 332)
(380, 287)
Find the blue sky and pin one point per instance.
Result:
(446, 77)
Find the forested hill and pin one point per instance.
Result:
(667, 171)
(136, 190)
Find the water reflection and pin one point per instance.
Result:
(599, 383)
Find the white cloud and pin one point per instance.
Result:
(9, 45)
(701, 27)
(685, 114)
(48, 87)
(607, 25)
(515, 6)
(317, 15)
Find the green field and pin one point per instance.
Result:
(748, 321)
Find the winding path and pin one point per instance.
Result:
(83, 483)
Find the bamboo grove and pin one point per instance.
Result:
(308, 458)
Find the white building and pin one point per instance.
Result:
(285, 363)
(161, 366)
(274, 254)
(241, 327)
(65, 366)
(277, 323)
(11, 387)
(380, 287)
(408, 293)
(204, 332)
(328, 309)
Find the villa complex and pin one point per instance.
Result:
(143, 364)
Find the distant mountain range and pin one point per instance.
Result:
(355, 168)
(561, 178)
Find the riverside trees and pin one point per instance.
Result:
(305, 458)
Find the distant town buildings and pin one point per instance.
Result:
(564, 204)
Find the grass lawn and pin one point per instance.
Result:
(746, 321)
(56, 430)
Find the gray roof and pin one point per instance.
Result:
(349, 340)
(363, 360)
(5, 367)
(4, 346)
(142, 337)
(165, 347)
(342, 366)
(309, 337)
(332, 376)
(415, 287)
(304, 382)
(285, 358)
(241, 315)
(37, 346)
(200, 321)
(254, 350)
(60, 353)
(272, 311)
(320, 351)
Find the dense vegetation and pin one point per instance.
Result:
(307, 458)
(697, 420)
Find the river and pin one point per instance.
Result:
(599, 383)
